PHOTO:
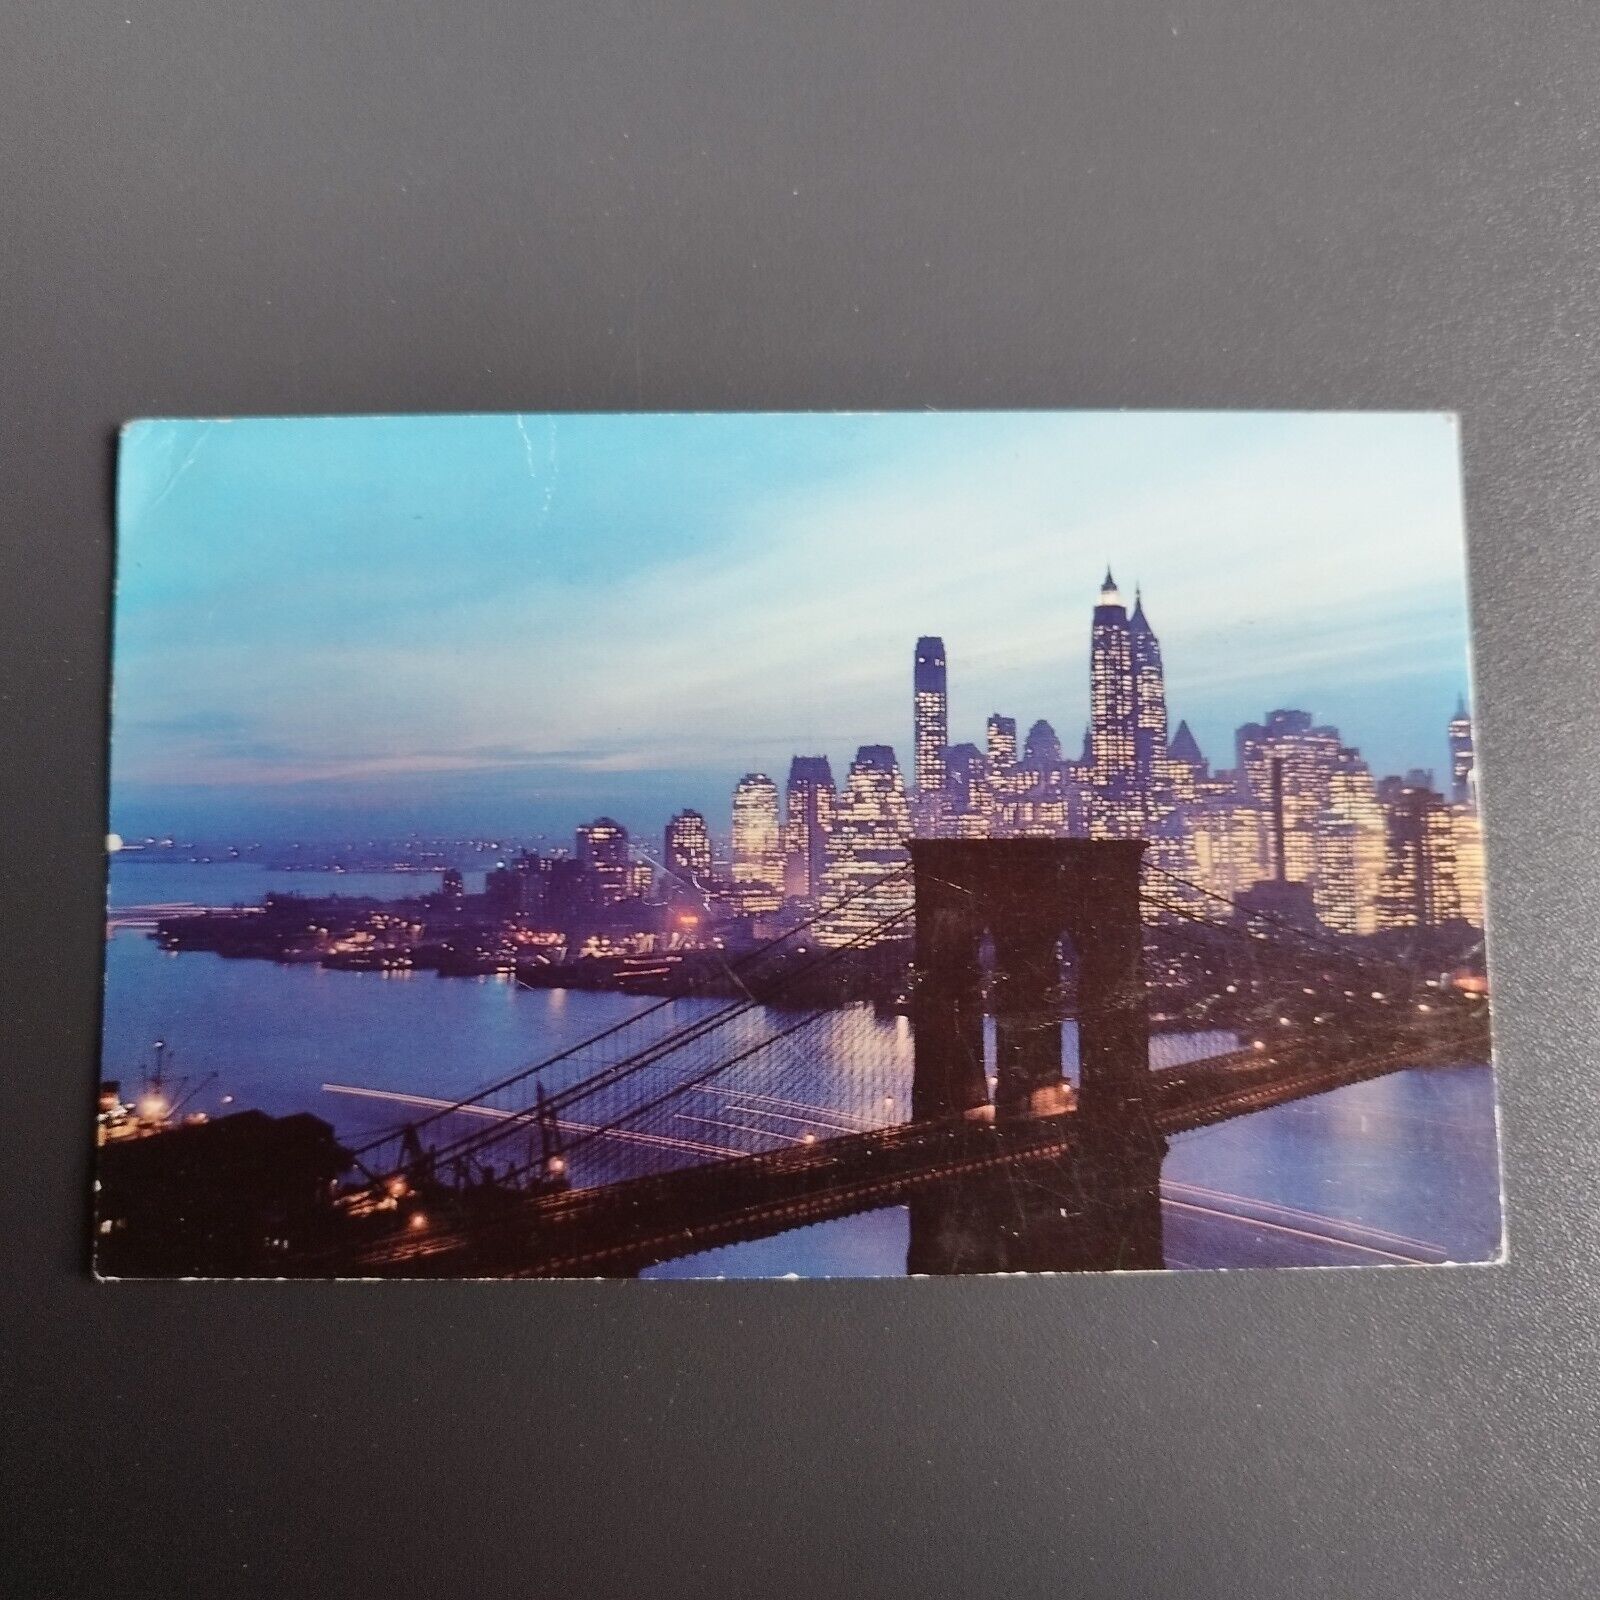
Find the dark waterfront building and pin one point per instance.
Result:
(932, 713)
(966, 778)
(571, 896)
(500, 891)
(516, 888)
(237, 1196)
(809, 807)
(451, 886)
(1043, 748)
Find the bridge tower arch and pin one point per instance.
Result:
(1027, 895)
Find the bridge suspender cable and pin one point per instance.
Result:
(479, 1139)
(523, 1073)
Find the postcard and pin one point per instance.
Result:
(793, 846)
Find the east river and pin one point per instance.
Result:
(1403, 1169)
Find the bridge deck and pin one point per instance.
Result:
(618, 1229)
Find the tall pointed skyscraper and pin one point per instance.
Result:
(1111, 693)
(932, 712)
(1462, 758)
(1150, 697)
(1112, 718)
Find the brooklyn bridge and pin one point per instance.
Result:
(616, 1154)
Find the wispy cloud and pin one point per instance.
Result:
(710, 608)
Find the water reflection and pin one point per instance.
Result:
(1402, 1168)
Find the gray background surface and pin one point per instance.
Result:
(220, 207)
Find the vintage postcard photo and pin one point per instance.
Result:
(793, 846)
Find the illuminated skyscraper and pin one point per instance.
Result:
(1001, 735)
(757, 864)
(808, 820)
(1117, 810)
(932, 710)
(1466, 831)
(1309, 757)
(1419, 882)
(1351, 839)
(1186, 766)
(1111, 692)
(1462, 759)
(602, 851)
(686, 847)
(867, 881)
(1149, 698)
(1232, 843)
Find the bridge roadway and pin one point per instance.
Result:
(618, 1229)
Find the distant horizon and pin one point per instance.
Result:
(334, 630)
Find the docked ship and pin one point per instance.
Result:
(156, 1106)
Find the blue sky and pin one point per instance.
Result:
(355, 627)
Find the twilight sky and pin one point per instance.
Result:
(341, 628)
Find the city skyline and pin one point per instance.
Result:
(1370, 638)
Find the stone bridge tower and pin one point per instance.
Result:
(1101, 1207)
